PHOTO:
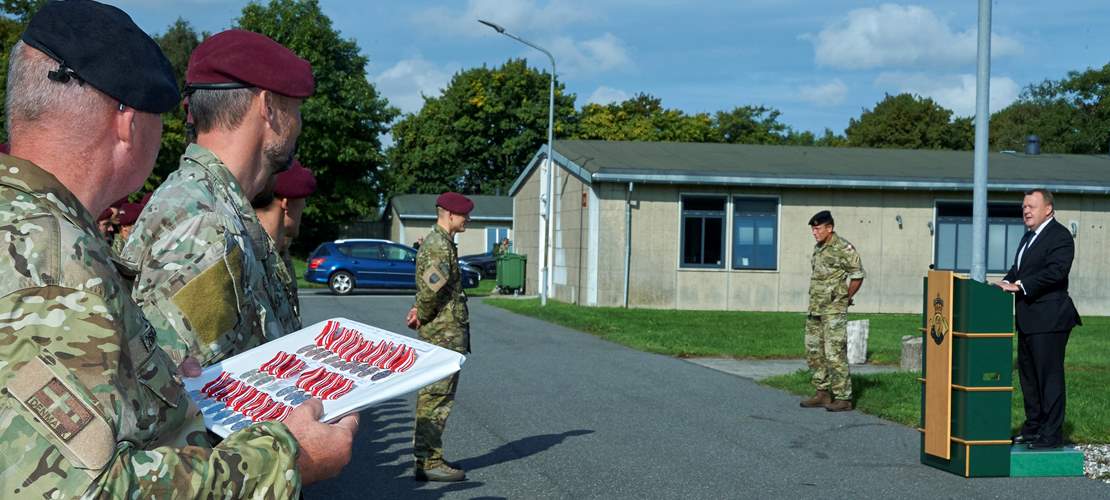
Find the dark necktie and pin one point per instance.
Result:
(1022, 246)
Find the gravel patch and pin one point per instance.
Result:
(1097, 464)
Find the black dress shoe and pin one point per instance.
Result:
(1043, 444)
(1025, 438)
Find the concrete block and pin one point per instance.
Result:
(857, 341)
(911, 353)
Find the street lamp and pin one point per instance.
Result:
(547, 171)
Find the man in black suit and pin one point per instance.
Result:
(1045, 316)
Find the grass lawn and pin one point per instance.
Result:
(769, 335)
(299, 267)
(484, 288)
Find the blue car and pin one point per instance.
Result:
(345, 265)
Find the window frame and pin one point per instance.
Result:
(957, 220)
(725, 221)
(777, 236)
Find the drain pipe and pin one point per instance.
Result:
(627, 240)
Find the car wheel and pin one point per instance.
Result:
(341, 283)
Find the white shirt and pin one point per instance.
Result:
(1029, 243)
(1021, 251)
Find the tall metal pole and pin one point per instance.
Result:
(547, 172)
(982, 135)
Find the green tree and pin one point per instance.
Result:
(479, 134)
(754, 125)
(177, 43)
(342, 123)
(910, 122)
(1070, 115)
(1055, 122)
(830, 139)
(642, 118)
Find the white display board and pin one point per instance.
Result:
(346, 364)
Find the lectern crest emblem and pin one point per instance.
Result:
(939, 327)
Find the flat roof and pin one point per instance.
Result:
(818, 167)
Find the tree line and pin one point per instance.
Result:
(477, 134)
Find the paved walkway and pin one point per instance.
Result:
(759, 369)
(548, 412)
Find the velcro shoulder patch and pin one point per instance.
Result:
(434, 279)
(210, 301)
(79, 432)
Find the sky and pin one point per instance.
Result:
(820, 62)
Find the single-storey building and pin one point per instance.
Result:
(411, 216)
(723, 226)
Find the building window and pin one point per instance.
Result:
(953, 236)
(755, 233)
(494, 236)
(703, 235)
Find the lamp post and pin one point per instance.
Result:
(982, 131)
(547, 171)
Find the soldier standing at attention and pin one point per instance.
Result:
(201, 281)
(834, 262)
(90, 405)
(441, 316)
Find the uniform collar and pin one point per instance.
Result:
(217, 169)
(35, 181)
(443, 232)
(833, 238)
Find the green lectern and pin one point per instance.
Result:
(966, 384)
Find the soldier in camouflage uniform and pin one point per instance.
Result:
(837, 276)
(441, 315)
(202, 280)
(89, 405)
(279, 212)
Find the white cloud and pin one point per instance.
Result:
(955, 92)
(604, 53)
(516, 16)
(892, 35)
(826, 94)
(406, 82)
(607, 95)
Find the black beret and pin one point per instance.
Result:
(101, 45)
(822, 217)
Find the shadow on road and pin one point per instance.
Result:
(519, 449)
(379, 468)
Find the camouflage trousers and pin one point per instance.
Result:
(827, 354)
(433, 406)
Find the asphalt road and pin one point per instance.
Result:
(547, 412)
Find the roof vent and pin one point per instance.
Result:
(1032, 145)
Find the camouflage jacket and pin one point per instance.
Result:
(833, 263)
(285, 317)
(440, 299)
(89, 404)
(292, 289)
(199, 275)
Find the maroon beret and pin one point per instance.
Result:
(129, 213)
(455, 203)
(297, 182)
(105, 215)
(239, 59)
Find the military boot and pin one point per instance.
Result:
(818, 400)
(839, 405)
(441, 473)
